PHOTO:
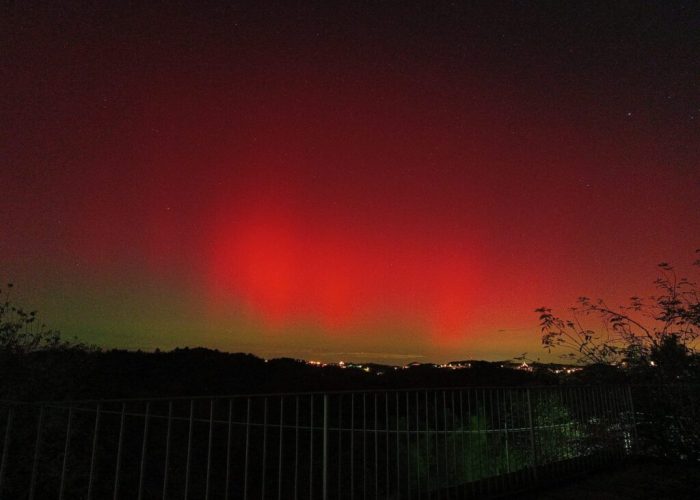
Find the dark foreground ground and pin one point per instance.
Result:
(639, 480)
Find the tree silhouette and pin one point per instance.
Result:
(659, 331)
(19, 330)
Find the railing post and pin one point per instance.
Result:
(325, 447)
(35, 462)
(533, 446)
(93, 454)
(635, 440)
(66, 451)
(6, 445)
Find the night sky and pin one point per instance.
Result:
(374, 181)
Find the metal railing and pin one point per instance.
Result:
(435, 443)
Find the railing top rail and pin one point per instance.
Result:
(663, 386)
(301, 393)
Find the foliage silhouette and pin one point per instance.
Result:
(658, 332)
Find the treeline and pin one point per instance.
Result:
(80, 373)
(77, 373)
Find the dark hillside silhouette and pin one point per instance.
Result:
(76, 374)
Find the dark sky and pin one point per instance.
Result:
(376, 181)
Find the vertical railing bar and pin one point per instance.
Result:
(340, 444)
(482, 443)
(541, 445)
(610, 394)
(120, 444)
(499, 480)
(555, 440)
(229, 431)
(623, 408)
(325, 448)
(437, 444)
(502, 431)
(247, 449)
(462, 461)
(583, 424)
(584, 409)
(311, 448)
(376, 450)
(352, 445)
(560, 429)
(530, 422)
(557, 429)
(516, 409)
(440, 480)
(470, 444)
(296, 447)
(544, 428)
(566, 435)
(569, 434)
(614, 417)
(209, 447)
(590, 409)
(479, 451)
(418, 481)
(619, 401)
(557, 423)
(444, 442)
(630, 402)
(168, 436)
(493, 430)
(453, 437)
(408, 446)
(6, 445)
(93, 455)
(427, 446)
(578, 419)
(364, 446)
(605, 404)
(597, 410)
(561, 422)
(453, 476)
(512, 438)
(386, 435)
(573, 427)
(485, 428)
(492, 478)
(281, 442)
(504, 421)
(66, 452)
(398, 455)
(144, 448)
(189, 449)
(485, 432)
(37, 448)
(576, 426)
(513, 425)
(264, 450)
(444, 433)
(599, 413)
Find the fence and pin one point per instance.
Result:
(451, 443)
